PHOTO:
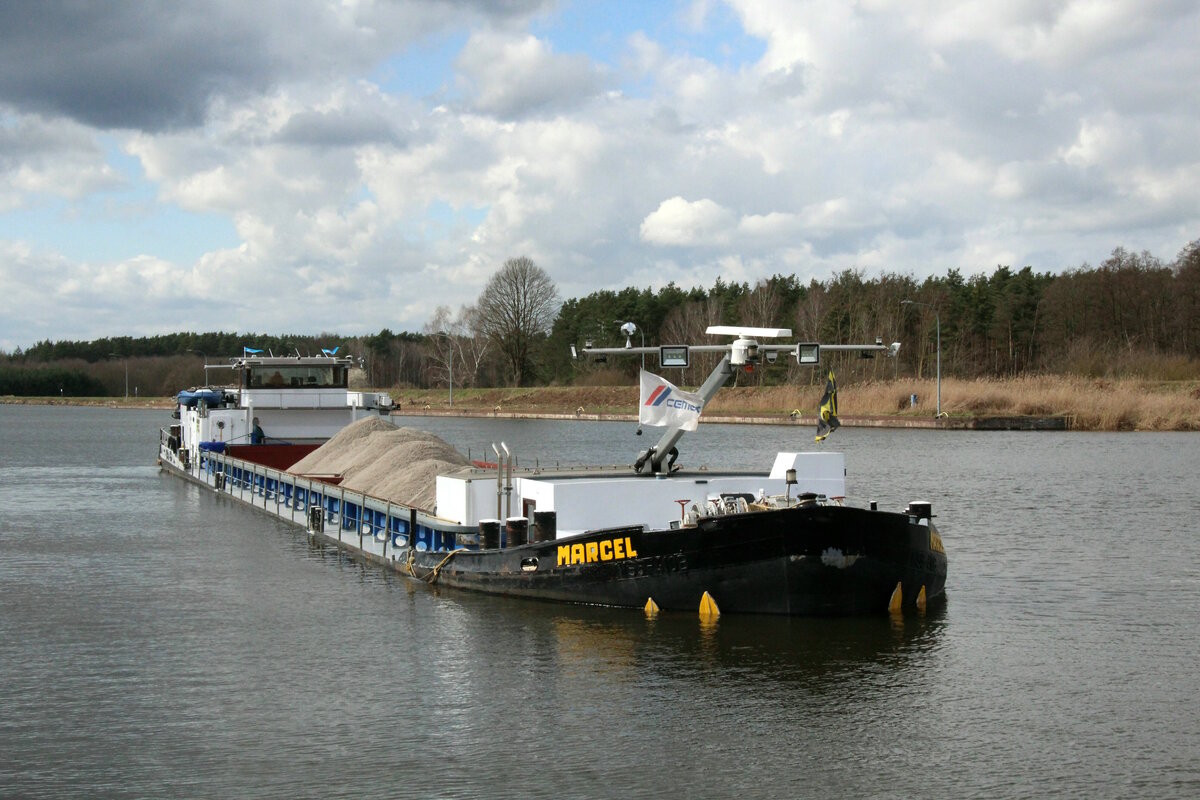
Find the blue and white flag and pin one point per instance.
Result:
(332, 352)
(662, 403)
(248, 350)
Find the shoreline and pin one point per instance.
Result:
(995, 422)
(1056, 403)
(991, 423)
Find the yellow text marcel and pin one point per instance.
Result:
(591, 552)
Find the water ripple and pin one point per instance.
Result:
(156, 640)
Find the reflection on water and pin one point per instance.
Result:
(158, 640)
(805, 653)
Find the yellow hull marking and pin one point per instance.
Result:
(935, 542)
(595, 552)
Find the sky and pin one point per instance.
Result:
(344, 166)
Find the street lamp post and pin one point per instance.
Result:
(126, 360)
(937, 318)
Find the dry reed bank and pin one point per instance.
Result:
(1126, 404)
(1091, 404)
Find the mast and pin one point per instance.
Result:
(661, 451)
(743, 352)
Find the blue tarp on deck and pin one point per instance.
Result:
(192, 397)
(214, 447)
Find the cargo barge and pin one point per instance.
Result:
(649, 535)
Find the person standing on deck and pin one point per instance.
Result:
(257, 436)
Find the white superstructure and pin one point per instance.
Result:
(293, 400)
(586, 499)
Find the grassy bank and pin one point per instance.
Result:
(1095, 405)
(91, 402)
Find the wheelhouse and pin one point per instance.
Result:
(284, 373)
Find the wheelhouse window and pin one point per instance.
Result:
(294, 376)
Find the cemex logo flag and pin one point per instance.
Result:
(664, 404)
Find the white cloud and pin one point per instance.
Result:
(1102, 140)
(773, 225)
(881, 135)
(681, 222)
(518, 75)
(122, 65)
(50, 157)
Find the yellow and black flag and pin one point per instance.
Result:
(827, 421)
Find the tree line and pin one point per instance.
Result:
(1131, 314)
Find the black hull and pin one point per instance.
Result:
(820, 560)
(815, 560)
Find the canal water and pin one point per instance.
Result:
(157, 640)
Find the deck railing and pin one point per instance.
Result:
(374, 525)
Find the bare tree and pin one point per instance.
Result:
(761, 309)
(518, 306)
(441, 347)
(473, 342)
(686, 324)
(1187, 298)
(809, 321)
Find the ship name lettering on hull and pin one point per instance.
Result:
(594, 552)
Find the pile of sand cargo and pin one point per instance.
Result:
(374, 457)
